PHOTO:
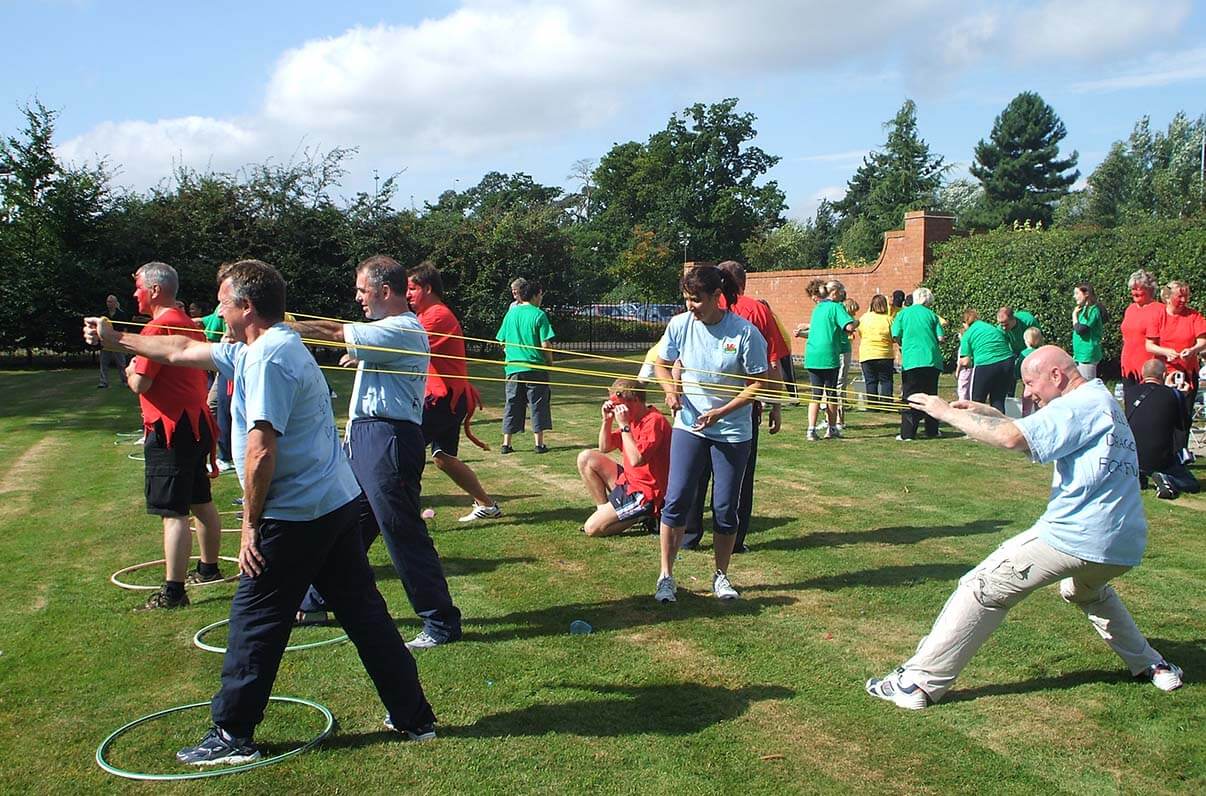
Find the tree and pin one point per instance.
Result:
(695, 181)
(902, 176)
(795, 244)
(1019, 166)
(51, 217)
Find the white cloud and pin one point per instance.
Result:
(493, 75)
(843, 158)
(1161, 69)
(808, 208)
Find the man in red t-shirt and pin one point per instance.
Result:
(763, 319)
(626, 494)
(450, 399)
(179, 438)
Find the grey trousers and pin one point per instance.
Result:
(528, 388)
(985, 595)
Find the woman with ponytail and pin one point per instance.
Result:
(724, 362)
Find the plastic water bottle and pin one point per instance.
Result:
(580, 628)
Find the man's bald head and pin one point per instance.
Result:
(1048, 373)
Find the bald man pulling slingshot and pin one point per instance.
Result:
(1093, 530)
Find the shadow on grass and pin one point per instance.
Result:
(1189, 655)
(894, 534)
(625, 613)
(678, 709)
(454, 566)
(904, 575)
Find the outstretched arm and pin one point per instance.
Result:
(167, 349)
(319, 330)
(978, 421)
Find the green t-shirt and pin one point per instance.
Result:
(1016, 335)
(826, 333)
(985, 344)
(214, 327)
(1086, 347)
(918, 329)
(1017, 369)
(523, 329)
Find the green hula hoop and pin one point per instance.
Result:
(116, 580)
(218, 772)
(201, 645)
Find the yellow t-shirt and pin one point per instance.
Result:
(875, 332)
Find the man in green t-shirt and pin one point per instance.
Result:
(526, 335)
(1015, 323)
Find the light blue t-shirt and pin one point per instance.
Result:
(397, 395)
(277, 380)
(733, 346)
(1094, 512)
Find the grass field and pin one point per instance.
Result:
(856, 544)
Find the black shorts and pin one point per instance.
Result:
(629, 505)
(442, 424)
(177, 477)
(824, 383)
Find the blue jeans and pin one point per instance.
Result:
(326, 551)
(222, 416)
(877, 377)
(387, 457)
(689, 454)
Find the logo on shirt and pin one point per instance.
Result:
(730, 347)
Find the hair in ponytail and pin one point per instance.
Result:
(707, 279)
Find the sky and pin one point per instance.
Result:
(441, 92)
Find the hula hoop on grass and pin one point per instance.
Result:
(136, 457)
(219, 772)
(115, 578)
(201, 645)
(192, 526)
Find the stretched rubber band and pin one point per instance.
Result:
(201, 645)
(116, 581)
(213, 772)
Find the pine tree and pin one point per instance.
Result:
(1020, 167)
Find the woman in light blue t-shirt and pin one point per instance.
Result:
(723, 360)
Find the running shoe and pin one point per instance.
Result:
(665, 590)
(503, 450)
(425, 641)
(812, 435)
(1163, 675)
(893, 689)
(835, 432)
(1164, 486)
(196, 577)
(722, 588)
(481, 512)
(161, 599)
(218, 748)
(542, 448)
(424, 732)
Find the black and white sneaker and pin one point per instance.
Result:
(219, 748)
(163, 599)
(424, 732)
(197, 577)
(1164, 487)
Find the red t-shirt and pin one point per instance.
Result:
(1180, 332)
(1139, 324)
(763, 319)
(652, 437)
(174, 391)
(447, 372)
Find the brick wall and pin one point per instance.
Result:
(901, 266)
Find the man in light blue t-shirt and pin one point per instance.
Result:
(301, 506)
(385, 442)
(1092, 531)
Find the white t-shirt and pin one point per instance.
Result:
(1094, 512)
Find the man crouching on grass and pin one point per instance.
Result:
(626, 494)
(1093, 530)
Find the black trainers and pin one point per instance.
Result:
(161, 599)
(505, 449)
(1164, 488)
(196, 577)
(219, 748)
(424, 732)
(542, 448)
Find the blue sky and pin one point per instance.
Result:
(451, 90)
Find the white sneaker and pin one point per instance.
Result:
(1164, 675)
(481, 512)
(224, 466)
(835, 432)
(665, 590)
(722, 588)
(812, 435)
(893, 689)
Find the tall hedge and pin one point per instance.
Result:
(1036, 270)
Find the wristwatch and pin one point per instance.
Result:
(625, 428)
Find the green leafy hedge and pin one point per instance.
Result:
(1036, 270)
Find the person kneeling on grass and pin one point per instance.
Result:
(1093, 530)
(633, 492)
